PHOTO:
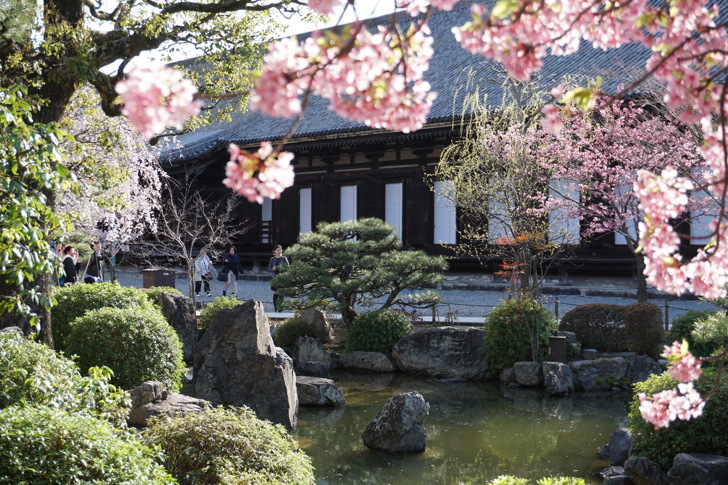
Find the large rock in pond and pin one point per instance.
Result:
(311, 358)
(317, 391)
(557, 378)
(366, 362)
(179, 311)
(644, 471)
(443, 352)
(617, 450)
(236, 364)
(151, 400)
(399, 427)
(698, 468)
(528, 373)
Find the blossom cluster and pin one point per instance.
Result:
(689, 51)
(156, 96)
(376, 77)
(255, 176)
(683, 403)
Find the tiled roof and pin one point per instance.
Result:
(448, 74)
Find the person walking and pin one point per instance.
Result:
(232, 267)
(94, 267)
(69, 265)
(277, 265)
(204, 273)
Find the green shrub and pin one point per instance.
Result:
(681, 327)
(154, 294)
(597, 326)
(220, 303)
(710, 334)
(33, 374)
(46, 446)
(378, 331)
(75, 300)
(511, 480)
(290, 329)
(136, 343)
(229, 446)
(705, 434)
(518, 330)
(645, 328)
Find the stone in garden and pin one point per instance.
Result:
(617, 450)
(15, 331)
(528, 373)
(507, 375)
(614, 475)
(179, 311)
(320, 323)
(311, 358)
(589, 354)
(614, 368)
(151, 399)
(443, 352)
(399, 427)
(644, 471)
(699, 468)
(237, 364)
(557, 378)
(366, 362)
(641, 367)
(317, 391)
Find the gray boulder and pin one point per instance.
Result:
(320, 324)
(614, 475)
(644, 471)
(698, 468)
(14, 331)
(399, 427)
(617, 450)
(527, 373)
(557, 378)
(366, 362)
(443, 352)
(614, 368)
(179, 311)
(317, 391)
(507, 375)
(151, 400)
(311, 358)
(236, 364)
(641, 367)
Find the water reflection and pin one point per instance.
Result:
(475, 432)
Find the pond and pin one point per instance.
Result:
(475, 432)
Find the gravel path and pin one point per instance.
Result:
(468, 305)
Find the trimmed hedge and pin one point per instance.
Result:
(290, 329)
(229, 446)
(136, 343)
(378, 331)
(706, 434)
(154, 294)
(31, 374)
(75, 300)
(46, 446)
(597, 326)
(645, 328)
(514, 328)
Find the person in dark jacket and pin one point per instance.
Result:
(231, 266)
(70, 258)
(94, 268)
(277, 264)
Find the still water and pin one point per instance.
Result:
(475, 432)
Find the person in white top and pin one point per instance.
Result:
(204, 272)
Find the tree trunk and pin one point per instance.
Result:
(641, 278)
(348, 315)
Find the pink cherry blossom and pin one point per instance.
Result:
(684, 367)
(664, 407)
(259, 175)
(324, 7)
(156, 96)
